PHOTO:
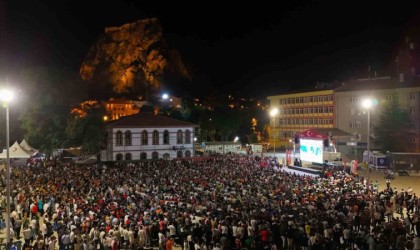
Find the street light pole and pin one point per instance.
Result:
(6, 96)
(368, 103)
(368, 137)
(6, 105)
(273, 114)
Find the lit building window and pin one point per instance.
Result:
(144, 138)
(127, 138)
(118, 138)
(155, 137)
(187, 137)
(179, 136)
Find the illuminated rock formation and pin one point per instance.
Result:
(132, 59)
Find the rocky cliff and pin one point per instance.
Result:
(132, 59)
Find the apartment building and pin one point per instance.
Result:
(351, 116)
(298, 112)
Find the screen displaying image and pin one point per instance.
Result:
(311, 150)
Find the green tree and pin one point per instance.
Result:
(87, 132)
(393, 130)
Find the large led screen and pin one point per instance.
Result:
(311, 150)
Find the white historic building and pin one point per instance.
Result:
(146, 136)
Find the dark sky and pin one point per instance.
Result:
(260, 48)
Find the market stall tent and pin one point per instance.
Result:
(28, 148)
(15, 151)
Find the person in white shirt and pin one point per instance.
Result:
(142, 236)
(52, 243)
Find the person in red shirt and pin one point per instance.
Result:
(264, 235)
(169, 243)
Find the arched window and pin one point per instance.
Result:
(143, 156)
(155, 155)
(127, 138)
(166, 156)
(128, 157)
(187, 154)
(119, 157)
(187, 137)
(144, 138)
(118, 138)
(166, 137)
(155, 137)
(179, 137)
(179, 154)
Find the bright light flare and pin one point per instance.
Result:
(274, 112)
(367, 103)
(6, 95)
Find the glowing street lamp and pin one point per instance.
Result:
(6, 96)
(273, 113)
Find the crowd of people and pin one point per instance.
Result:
(223, 202)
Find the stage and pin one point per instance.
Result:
(306, 170)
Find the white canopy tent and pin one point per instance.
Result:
(15, 151)
(28, 148)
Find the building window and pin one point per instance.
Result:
(179, 154)
(359, 112)
(412, 110)
(351, 99)
(155, 137)
(330, 98)
(166, 137)
(310, 110)
(325, 110)
(127, 138)
(119, 138)
(358, 124)
(119, 157)
(128, 157)
(310, 99)
(187, 137)
(412, 96)
(413, 139)
(388, 98)
(187, 154)
(179, 138)
(143, 156)
(330, 109)
(144, 137)
(396, 99)
(166, 156)
(155, 155)
(352, 124)
(353, 111)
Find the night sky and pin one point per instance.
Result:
(248, 49)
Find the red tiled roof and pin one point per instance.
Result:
(148, 120)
